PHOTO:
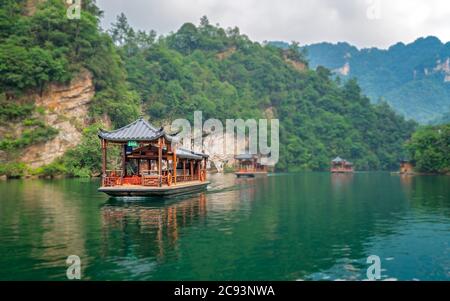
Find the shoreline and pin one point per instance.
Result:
(60, 177)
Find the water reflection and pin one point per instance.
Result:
(152, 228)
(281, 227)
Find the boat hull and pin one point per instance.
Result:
(342, 171)
(250, 174)
(144, 191)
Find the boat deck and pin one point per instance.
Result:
(140, 190)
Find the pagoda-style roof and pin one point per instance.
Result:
(188, 154)
(140, 131)
(338, 160)
(245, 157)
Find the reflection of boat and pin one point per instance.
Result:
(339, 165)
(249, 166)
(151, 164)
(152, 228)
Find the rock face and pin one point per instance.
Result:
(214, 146)
(344, 70)
(299, 66)
(444, 67)
(31, 6)
(226, 54)
(66, 108)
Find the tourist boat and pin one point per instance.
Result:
(249, 165)
(150, 164)
(406, 167)
(340, 165)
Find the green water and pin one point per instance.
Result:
(308, 226)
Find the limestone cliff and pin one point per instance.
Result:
(65, 108)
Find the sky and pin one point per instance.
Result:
(363, 23)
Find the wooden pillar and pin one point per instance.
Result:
(124, 160)
(139, 166)
(184, 169)
(206, 164)
(198, 169)
(191, 170)
(104, 154)
(174, 163)
(103, 157)
(160, 161)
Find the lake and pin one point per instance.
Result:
(305, 226)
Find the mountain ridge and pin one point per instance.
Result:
(413, 78)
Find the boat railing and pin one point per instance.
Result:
(145, 178)
(184, 178)
(112, 178)
(150, 178)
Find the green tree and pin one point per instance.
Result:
(429, 148)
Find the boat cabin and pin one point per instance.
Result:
(150, 162)
(340, 165)
(249, 165)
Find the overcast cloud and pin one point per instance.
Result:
(359, 22)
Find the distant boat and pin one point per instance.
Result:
(249, 165)
(406, 167)
(340, 165)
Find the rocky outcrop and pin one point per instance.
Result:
(344, 70)
(66, 109)
(299, 66)
(31, 7)
(214, 146)
(226, 54)
(444, 67)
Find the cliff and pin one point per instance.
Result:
(65, 108)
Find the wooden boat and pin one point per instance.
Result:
(340, 165)
(248, 165)
(406, 168)
(151, 164)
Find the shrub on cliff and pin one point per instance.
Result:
(13, 169)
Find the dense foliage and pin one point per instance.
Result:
(413, 78)
(48, 47)
(429, 149)
(225, 75)
(218, 71)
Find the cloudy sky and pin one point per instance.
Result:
(364, 23)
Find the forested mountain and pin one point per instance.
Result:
(413, 78)
(218, 71)
(225, 75)
(45, 46)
